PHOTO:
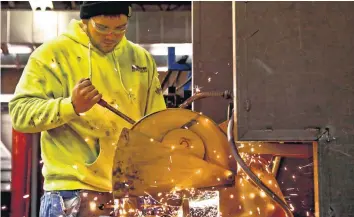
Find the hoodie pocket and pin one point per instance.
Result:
(99, 172)
(92, 165)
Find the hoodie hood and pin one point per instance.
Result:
(76, 32)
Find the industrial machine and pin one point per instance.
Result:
(292, 98)
(178, 162)
(190, 152)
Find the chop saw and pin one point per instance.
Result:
(176, 150)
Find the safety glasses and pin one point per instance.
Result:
(105, 30)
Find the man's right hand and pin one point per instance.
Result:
(84, 96)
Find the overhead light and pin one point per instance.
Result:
(6, 97)
(162, 69)
(42, 4)
(18, 49)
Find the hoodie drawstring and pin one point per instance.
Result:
(117, 69)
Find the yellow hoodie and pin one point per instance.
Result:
(78, 151)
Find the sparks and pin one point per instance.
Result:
(92, 206)
(263, 194)
(53, 65)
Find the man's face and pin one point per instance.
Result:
(105, 32)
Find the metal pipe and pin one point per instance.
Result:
(248, 171)
(105, 104)
(186, 82)
(21, 173)
(226, 94)
(34, 178)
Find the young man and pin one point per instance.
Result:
(57, 95)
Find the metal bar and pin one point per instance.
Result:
(34, 177)
(279, 135)
(104, 104)
(171, 61)
(8, 66)
(21, 173)
(276, 164)
(234, 72)
(315, 179)
(303, 150)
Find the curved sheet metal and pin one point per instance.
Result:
(169, 150)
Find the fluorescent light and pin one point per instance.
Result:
(42, 4)
(18, 49)
(6, 97)
(162, 69)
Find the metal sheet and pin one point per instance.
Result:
(294, 67)
(143, 165)
(295, 72)
(218, 149)
(189, 28)
(178, 33)
(132, 31)
(212, 55)
(185, 148)
(45, 26)
(21, 27)
(144, 27)
(4, 26)
(150, 30)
